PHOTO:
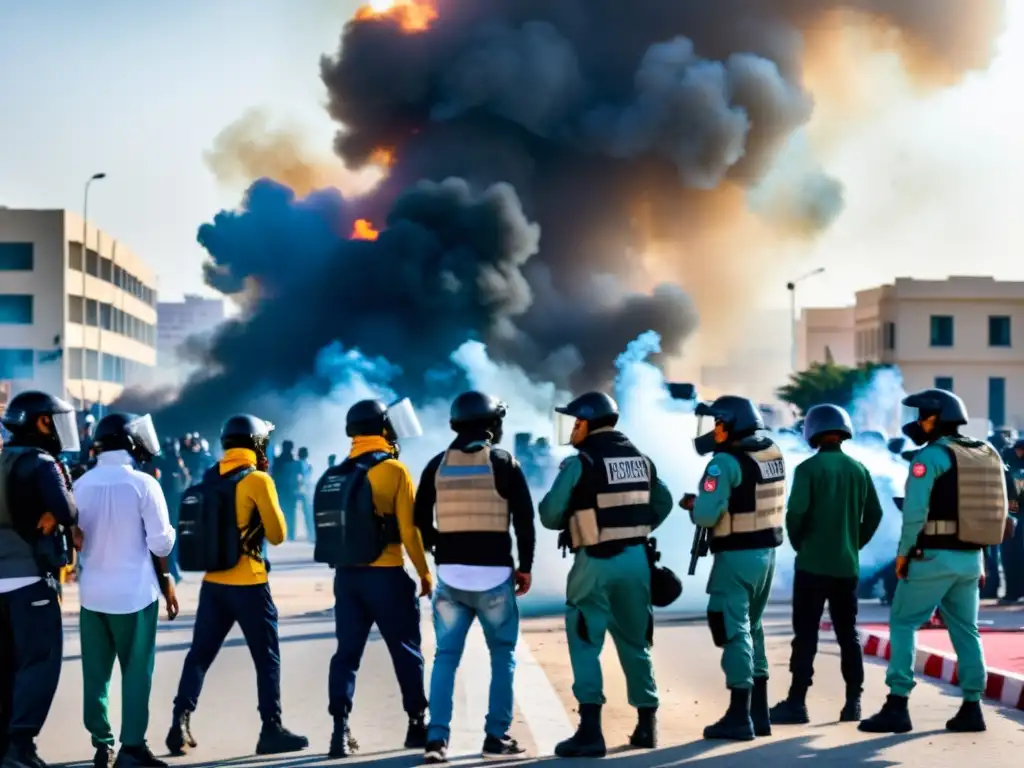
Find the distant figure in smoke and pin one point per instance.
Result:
(938, 563)
(833, 511)
(607, 500)
(365, 509)
(305, 489)
(1012, 551)
(742, 503)
(287, 474)
(332, 460)
(174, 480)
(468, 498)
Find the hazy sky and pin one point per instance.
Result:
(139, 90)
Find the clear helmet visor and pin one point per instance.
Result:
(404, 420)
(65, 426)
(564, 426)
(143, 432)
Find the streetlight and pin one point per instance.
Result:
(85, 259)
(791, 287)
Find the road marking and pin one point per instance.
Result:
(541, 707)
(472, 684)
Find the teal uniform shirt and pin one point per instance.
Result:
(607, 595)
(740, 582)
(943, 578)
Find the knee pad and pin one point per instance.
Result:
(716, 623)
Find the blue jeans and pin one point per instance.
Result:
(454, 611)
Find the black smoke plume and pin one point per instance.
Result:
(609, 124)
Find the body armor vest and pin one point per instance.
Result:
(757, 507)
(467, 497)
(612, 500)
(968, 505)
(17, 556)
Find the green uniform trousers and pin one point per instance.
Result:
(738, 590)
(614, 595)
(131, 639)
(946, 579)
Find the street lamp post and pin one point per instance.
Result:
(85, 260)
(791, 287)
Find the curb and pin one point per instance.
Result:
(1005, 687)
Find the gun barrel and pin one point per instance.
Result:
(697, 549)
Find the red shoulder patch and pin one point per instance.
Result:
(918, 470)
(710, 484)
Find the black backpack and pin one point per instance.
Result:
(209, 539)
(349, 532)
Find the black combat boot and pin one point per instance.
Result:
(792, 710)
(342, 743)
(645, 735)
(275, 739)
(893, 717)
(103, 758)
(21, 753)
(179, 737)
(759, 713)
(141, 757)
(736, 725)
(416, 733)
(851, 709)
(588, 741)
(968, 719)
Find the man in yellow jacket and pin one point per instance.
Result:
(241, 593)
(364, 517)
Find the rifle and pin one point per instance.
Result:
(698, 549)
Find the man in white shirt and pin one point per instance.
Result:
(127, 536)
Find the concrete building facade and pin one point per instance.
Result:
(824, 331)
(177, 321)
(965, 334)
(80, 326)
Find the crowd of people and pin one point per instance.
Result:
(369, 515)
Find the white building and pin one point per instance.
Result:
(45, 295)
(179, 320)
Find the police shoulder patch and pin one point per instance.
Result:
(714, 470)
(710, 485)
(918, 470)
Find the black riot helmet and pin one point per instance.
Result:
(827, 419)
(597, 409)
(246, 431)
(738, 416)
(172, 447)
(127, 432)
(42, 420)
(369, 418)
(477, 411)
(948, 409)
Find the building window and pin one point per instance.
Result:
(106, 270)
(16, 309)
(944, 382)
(17, 364)
(118, 276)
(75, 309)
(74, 363)
(999, 331)
(942, 330)
(890, 337)
(75, 256)
(997, 401)
(16, 257)
(91, 312)
(92, 365)
(92, 263)
(105, 323)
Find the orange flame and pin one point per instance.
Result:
(363, 230)
(383, 157)
(411, 15)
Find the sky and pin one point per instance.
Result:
(140, 90)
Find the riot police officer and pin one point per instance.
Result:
(955, 504)
(742, 503)
(37, 515)
(607, 500)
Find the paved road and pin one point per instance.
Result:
(693, 694)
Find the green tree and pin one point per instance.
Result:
(827, 383)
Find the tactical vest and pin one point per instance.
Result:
(209, 539)
(349, 532)
(17, 556)
(612, 500)
(968, 505)
(757, 507)
(467, 497)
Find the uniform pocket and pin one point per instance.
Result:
(716, 623)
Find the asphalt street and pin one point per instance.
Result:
(693, 694)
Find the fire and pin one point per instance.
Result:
(411, 15)
(363, 230)
(383, 157)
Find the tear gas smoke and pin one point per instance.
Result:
(612, 127)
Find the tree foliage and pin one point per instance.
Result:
(827, 383)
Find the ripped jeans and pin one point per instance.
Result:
(454, 611)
